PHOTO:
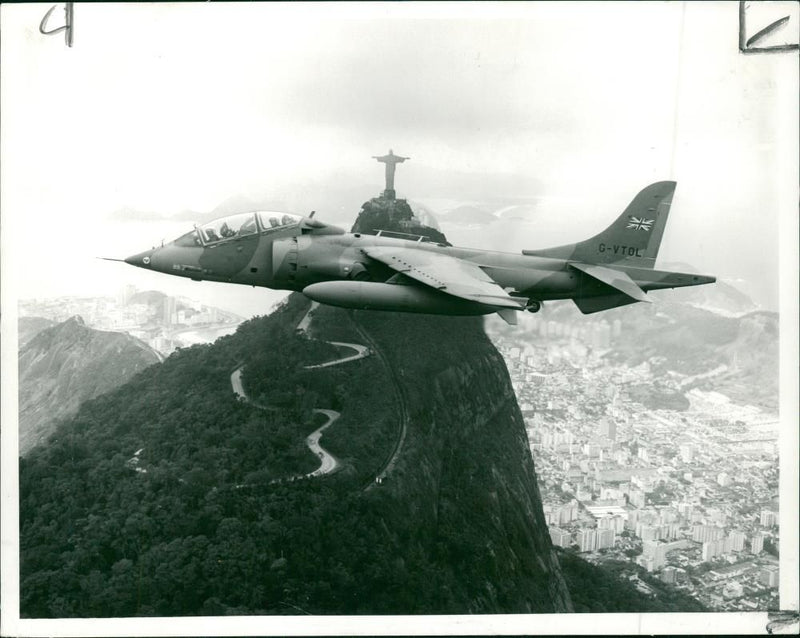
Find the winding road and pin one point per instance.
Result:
(236, 384)
(328, 462)
(361, 352)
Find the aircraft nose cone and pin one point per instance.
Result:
(141, 259)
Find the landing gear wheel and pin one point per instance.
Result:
(534, 306)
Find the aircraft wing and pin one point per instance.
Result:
(451, 275)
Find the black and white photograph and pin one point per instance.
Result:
(395, 318)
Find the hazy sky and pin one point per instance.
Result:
(159, 109)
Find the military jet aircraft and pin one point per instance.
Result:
(393, 271)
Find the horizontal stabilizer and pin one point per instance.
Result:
(614, 278)
(611, 288)
(508, 315)
(588, 305)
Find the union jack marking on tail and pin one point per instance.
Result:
(639, 223)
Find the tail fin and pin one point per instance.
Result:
(634, 238)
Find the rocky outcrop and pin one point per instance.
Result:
(466, 456)
(66, 364)
(466, 477)
(394, 215)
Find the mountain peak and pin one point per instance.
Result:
(381, 213)
(67, 363)
(75, 325)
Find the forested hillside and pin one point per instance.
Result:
(158, 498)
(169, 495)
(604, 590)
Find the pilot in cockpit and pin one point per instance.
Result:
(249, 227)
(226, 231)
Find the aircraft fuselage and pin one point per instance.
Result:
(289, 252)
(293, 261)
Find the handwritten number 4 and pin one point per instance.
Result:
(66, 28)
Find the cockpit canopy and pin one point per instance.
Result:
(240, 225)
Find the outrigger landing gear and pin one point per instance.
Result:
(533, 306)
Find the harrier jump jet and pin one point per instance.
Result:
(392, 271)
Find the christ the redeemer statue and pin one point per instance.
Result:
(391, 160)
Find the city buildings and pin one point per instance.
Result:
(769, 576)
(686, 494)
(736, 540)
(605, 538)
(560, 537)
(163, 322)
(706, 533)
(587, 540)
(768, 518)
(757, 543)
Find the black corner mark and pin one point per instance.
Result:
(782, 620)
(767, 30)
(67, 26)
(746, 45)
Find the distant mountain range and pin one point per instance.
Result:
(62, 365)
(693, 341)
(721, 298)
(690, 331)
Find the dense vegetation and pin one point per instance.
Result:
(194, 523)
(655, 396)
(605, 590)
(170, 495)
